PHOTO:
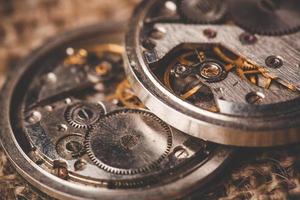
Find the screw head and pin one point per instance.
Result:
(80, 165)
(49, 108)
(62, 127)
(180, 152)
(34, 117)
(60, 169)
(74, 146)
(210, 33)
(51, 78)
(171, 6)
(68, 101)
(274, 61)
(248, 38)
(181, 71)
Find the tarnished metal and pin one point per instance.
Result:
(74, 129)
(254, 103)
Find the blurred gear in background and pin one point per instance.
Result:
(267, 17)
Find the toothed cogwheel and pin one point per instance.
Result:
(82, 115)
(128, 142)
(266, 17)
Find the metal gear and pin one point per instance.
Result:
(71, 146)
(202, 11)
(266, 17)
(83, 115)
(129, 141)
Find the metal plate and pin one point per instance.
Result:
(222, 83)
(73, 127)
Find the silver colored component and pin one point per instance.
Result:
(181, 153)
(140, 139)
(59, 159)
(62, 127)
(80, 164)
(274, 61)
(70, 51)
(34, 117)
(51, 78)
(49, 108)
(70, 146)
(68, 100)
(83, 115)
(170, 5)
(260, 110)
(177, 34)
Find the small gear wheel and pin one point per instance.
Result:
(202, 11)
(70, 147)
(83, 115)
(266, 17)
(129, 141)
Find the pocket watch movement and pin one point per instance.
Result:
(73, 127)
(228, 71)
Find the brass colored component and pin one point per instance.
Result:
(248, 71)
(268, 83)
(191, 92)
(111, 48)
(102, 68)
(253, 79)
(200, 55)
(126, 96)
(184, 61)
(77, 58)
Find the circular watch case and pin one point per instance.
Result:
(219, 81)
(73, 128)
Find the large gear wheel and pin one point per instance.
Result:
(267, 17)
(129, 141)
(202, 11)
(83, 115)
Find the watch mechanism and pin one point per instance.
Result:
(228, 70)
(74, 128)
(91, 116)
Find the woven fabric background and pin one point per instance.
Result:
(264, 174)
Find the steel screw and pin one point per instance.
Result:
(274, 61)
(210, 33)
(248, 38)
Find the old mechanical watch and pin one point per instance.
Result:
(224, 71)
(73, 127)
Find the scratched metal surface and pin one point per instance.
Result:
(268, 174)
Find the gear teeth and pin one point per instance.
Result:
(119, 171)
(266, 32)
(77, 125)
(272, 23)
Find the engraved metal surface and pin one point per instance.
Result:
(247, 95)
(80, 140)
(129, 142)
